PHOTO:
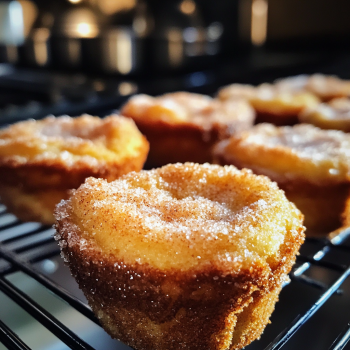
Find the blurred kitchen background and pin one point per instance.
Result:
(88, 56)
(73, 56)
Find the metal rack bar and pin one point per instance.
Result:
(12, 269)
(33, 245)
(10, 339)
(328, 265)
(43, 316)
(309, 281)
(27, 236)
(285, 335)
(327, 244)
(45, 281)
(342, 339)
(19, 231)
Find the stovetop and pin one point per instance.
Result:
(35, 93)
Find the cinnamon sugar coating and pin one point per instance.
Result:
(186, 256)
(183, 126)
(332, 115)
(310, 164)
(272, 105)
(326, 87)
(40, 161)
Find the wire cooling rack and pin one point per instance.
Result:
(42, 308)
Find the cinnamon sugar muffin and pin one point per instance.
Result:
(186, 256)
(40, 161)
(183, 126)
(271, 105)
(326, 87)
(332, 115)
(311, 165)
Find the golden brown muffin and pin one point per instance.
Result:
(184, 126)
(271, 105)
(240, 91)
(311, 165)
(41, 160)
(186, 256)
(326, 87)
(332, 115)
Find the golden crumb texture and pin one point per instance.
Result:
(186, 256)
(41, 160)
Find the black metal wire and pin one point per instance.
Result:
(42, 256)
(10, 339)
(43, 316)
(26, 233)
(330, 243)
(342, 339)
(34, 245)
(49, 284)
(286, 334)
(327, 264)
(327, 244)
(9, 225)
(309, 281)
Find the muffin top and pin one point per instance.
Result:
(237, 91)
(332, 115)
(267, 98)
(188, 108)
(184, 216)
(326, 87)
(65, 140)
(286, 153)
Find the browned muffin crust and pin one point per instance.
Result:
(40, 161)
(271, 104)
(184, 126)
(326, 87)
(216, 304)
(180, 143)
(332, 115)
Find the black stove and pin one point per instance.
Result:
(35, 93)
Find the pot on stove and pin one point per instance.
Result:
(121, 46)
(181, 38)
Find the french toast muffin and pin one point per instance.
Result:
(186, 256)
(332, 115)
(40, 161)
(326, 87)
(184, 126)
(271, 105)
(311, 165)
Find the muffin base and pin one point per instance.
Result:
(31, 191)
(242, 326)
(276, 119)
(324, 207)
(180, 143)
(159, 310)
(36, 206)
